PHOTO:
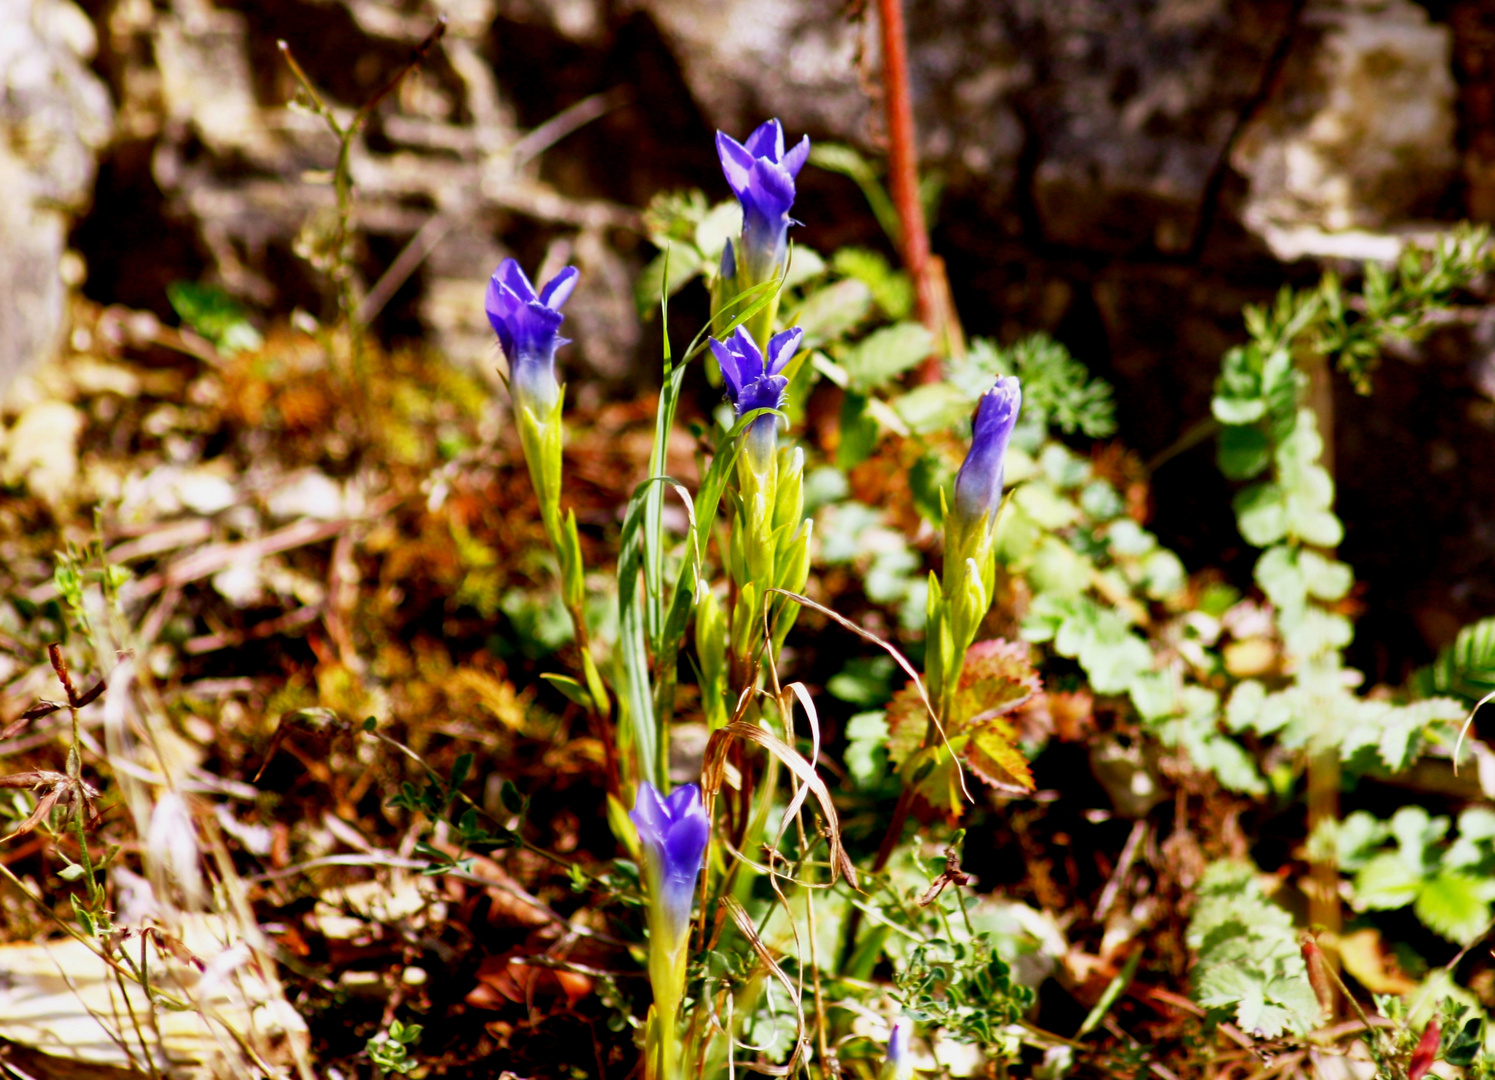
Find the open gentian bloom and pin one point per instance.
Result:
(527, 325)
(673, 832)
(761, 175)
(756, 382)
(978, 485)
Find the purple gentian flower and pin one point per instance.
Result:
(761, 175)
(978, 485)
(754, 382)
(527, 326)
(673, 831)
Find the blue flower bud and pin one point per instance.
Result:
(899, 1064)
(673, 832)
(755, 382)
(761, 175)
(978, 485)
(527, 326)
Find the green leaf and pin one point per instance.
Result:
(1058, 569)
(932, 407)
(1454, 904)
(1231, 765)
(804, 265)
(1386, 882)
(929, 478)
(1045, 506)
(891, 288)
(1466, 667)
(863, 681)
(887, 353)
(720, 224)
(1248, 956)
(1280, 576)
(215, 315)
(573, 689)
(684, 262)
(1244, 452)
(1325, 579)
(1318, 527)
(1237, 411)
(830, 312)
(513, 801)
(992, 754)
(866, 746)
(859, 432)
(1261, 514)
(1163, 574)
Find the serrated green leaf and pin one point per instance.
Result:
(1356, 837)
(933, 407)
(887, 353)
(1454, 904)
(1386, 882)
(1231, 765)
(831, 311)
(891, 288)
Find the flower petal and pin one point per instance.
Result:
(559, 288)
(728, 361)
(795, 159)
(649, 816)
(513, 275)
(767, 141)
(737, 162)
(764, 392)
(772, 191)
(781, 349)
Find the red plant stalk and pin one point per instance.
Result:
(927, 272)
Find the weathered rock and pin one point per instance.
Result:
(746, 60)
(441, 170)
(54, 117)
(1135, 109)
(817, 69)
(1359, 133)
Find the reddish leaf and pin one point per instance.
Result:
(996, 679)
(993, 755)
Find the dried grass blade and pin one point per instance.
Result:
(803, 790)
(714, 767)
(901, 661)
(745, 925)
